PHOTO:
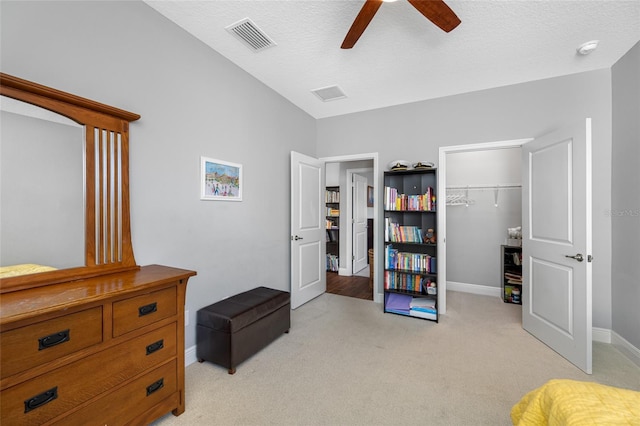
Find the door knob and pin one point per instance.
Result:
(297, 238)
(577, 257)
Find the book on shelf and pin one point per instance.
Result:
(423, 304)
(408, 282)
(400, 281)
(404, 202)
(396, 233)
(332, 263)
(406, 261)
(513, 278)
(331, 224)
(331, 196)
(331, 211)
(426, 315)
(398, 303)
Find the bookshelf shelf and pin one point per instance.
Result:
(511, 268)
(332, 205)
(410, 228)
(410, 272)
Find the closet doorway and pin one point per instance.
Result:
(481, 187)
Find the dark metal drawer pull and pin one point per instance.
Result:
(147, 309)
(155, 347)
(53, 339)
(41, 399)
(155, 386)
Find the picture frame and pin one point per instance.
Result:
(220, 180)
(369, 196)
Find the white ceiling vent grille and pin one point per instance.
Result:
(329, 93)
(248, 32)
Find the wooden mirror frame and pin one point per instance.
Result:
(108, 245)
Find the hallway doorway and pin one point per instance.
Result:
(349, 278)
(357, 286)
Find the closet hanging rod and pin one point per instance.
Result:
(509, 186)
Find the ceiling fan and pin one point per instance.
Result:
(434, 10)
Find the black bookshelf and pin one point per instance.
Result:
(410, 242)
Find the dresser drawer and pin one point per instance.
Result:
(122, 405)
(54, 393)
(136, 312)
(32, 345)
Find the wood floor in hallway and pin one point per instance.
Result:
(354, 286)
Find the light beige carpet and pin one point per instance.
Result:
(345, 362)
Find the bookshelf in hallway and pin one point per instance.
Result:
(332, 205)
(410, 230)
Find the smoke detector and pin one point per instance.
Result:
(588, 47)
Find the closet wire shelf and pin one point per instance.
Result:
(459, 195)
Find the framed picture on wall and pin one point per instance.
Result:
(220, 180)
(369, 196)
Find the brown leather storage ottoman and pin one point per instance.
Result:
(231, 330)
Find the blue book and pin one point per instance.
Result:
(397, 302)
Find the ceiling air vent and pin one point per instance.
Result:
(329, 93)
(248, 32)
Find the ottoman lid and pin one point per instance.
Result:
(236, 312)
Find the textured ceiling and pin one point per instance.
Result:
(402, 57)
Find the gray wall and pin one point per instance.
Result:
(475, 232)
(193, 103)
(415, 131)
(625, 197)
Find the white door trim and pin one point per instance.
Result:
(377, 241)
(442, 205)
(349, 215)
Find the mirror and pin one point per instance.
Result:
(42, 187)
(65, 186)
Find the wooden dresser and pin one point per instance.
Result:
(103, 350)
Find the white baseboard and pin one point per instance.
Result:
(484, 290)
(601, 335)
(626, 348)
(190, 356)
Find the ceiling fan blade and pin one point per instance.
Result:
(361, 22)
(437, 12)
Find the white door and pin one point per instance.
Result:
(556, 208)
(359, 229)
(308, 229)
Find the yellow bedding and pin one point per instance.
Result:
(570, 402)
(23, 269)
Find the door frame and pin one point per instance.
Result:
(442, 206)
(377, 242)
(349, 227)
